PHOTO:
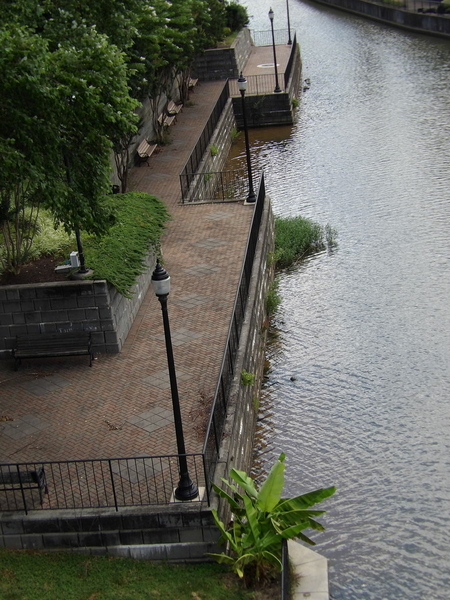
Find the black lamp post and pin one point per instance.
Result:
(289, 23)
(277, 87)
(186, 490)
(242, 85)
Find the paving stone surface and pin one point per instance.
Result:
(121, 407)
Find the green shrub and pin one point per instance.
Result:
(119, 255)
(236, 16)
(247, 378)
(296, 237)
(295, 103)
(214, 150)
(273, 298)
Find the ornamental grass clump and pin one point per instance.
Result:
(297, 237)
(119, 255)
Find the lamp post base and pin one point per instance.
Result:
(186, 489)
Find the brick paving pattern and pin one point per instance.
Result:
(60, 409)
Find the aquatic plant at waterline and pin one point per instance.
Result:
(261, 519)
(297, 237)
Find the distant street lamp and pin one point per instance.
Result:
(289, 23)
(242, 85)
(277, 87)
(186, 490)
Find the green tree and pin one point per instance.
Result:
(29, 169)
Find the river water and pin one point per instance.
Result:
(358, 391)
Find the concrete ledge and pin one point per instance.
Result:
(312, 570)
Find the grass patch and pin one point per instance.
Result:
(64, 576)
(119, 255)
(297, 237)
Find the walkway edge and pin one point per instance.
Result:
(312, 571)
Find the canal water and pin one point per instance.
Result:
(358, 389)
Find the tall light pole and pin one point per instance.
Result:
(289, 23)
(277, 87)
(186, 490)
(242, 85)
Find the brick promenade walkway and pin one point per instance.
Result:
(61, 409)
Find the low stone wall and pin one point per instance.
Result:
(423, 22)
(94, 306)
(237, 446)
(224, 63)
(199, 190)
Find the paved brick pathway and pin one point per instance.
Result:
(60, 409)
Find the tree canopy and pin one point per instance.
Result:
(73, 74)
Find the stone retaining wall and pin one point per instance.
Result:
(94, 306)
(224, 63)
(423, 22)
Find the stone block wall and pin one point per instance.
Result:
(200, 189)
(237, 445)
(94, 306)
(224, 63)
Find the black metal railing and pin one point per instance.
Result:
(99, 483)
(191, 166)
(214, 186)
(257, 85)
(264, 38)
(216, 422)
(288, 71)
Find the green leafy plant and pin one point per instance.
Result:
(214, 150)
(236, 16)
(295, 103)
(261, 519)
(273, 298)
(234, 134)
(247, 378)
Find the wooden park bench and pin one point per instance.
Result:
(13, 480)
(73, 343)
(166, 120)
(173, 109)
(192, 83)
(144, 151)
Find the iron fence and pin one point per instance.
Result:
(287, 73)
(264, 38)
(203, 141)
(214, 186)
(257, 85)
(216, 421)
(423, 6)
(99, 483)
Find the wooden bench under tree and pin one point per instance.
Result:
(144, 151)
(173, 108)
(12, 480)
(44, 345)
(192, 83)
(166, 120)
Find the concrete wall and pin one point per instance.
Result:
(201, 190)
(237, 446)
(224, 63)
(94, 306)
(272, 109)
(425, 23)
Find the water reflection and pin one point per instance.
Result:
(359, 378)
